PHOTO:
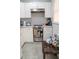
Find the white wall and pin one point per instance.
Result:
(55, 16)
(56, 11)
(25, 8)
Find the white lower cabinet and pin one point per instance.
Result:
(26, 35)
(47, 32)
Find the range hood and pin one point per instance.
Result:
(37, 10)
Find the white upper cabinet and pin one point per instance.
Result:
(48, 10)
(25, 12)
(47, 32)
(25, 9)
(22, 10)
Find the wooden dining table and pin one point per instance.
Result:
(49, 49)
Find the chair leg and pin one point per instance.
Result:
(44, 56)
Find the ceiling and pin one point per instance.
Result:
(35, 0)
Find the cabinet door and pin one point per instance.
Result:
(47, 32)
(26, 34)
(22, 10)
(48, 12)
(27, 10)
(28, 13)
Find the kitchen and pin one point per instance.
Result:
(36, 21)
